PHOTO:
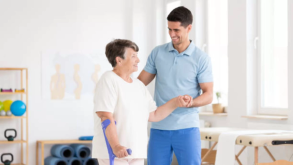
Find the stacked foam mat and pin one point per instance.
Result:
(74, 154)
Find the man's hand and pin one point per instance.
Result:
(120, 151)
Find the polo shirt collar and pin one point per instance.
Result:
(188, 51)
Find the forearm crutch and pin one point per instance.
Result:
(105, 124)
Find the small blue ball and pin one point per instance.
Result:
(18, 108)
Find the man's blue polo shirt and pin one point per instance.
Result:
(178, 74)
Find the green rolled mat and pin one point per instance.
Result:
(55, 161)
(62, 151)
(74, 161)
(81, 151)
(90, 161)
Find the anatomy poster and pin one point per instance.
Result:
(71, 76)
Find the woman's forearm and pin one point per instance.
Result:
(163, 111)
(111, 132)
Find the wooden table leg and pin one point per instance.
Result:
(255, 155)
(42, 157)
(37, 153)
(239, 162)
(206, 155)
(268, 151)
(237, 156)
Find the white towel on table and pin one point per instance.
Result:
(226, 144)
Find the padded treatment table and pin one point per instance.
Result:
(255, 140)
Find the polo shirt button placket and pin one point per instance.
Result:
(175, 60)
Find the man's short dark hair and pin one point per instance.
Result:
(116, 48)
(181, 14)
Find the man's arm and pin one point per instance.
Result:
(206, 97)
(111, 134)
(146, 77)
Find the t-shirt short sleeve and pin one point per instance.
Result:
(205, 73)
(150, 101)
(106, 95)
(150, 65)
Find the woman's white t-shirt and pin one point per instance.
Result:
(130, 104)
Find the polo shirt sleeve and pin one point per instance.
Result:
(205, 73)
(150, 101)
(105, 98)
(151, 65)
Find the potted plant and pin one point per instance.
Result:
(218, 108)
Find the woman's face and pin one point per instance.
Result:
(130, 61)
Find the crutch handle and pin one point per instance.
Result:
(129, 151)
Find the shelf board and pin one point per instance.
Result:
(64, 141)
(12, 142)
(13, 68)
(15, 164)
(212, 114)
(11, 93)
(266, 117)
(12, 117)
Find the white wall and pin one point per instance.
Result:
(290, 60)
(29, 27)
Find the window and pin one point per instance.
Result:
(169, 7)
(217, 45)
(273, 56)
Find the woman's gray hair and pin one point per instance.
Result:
(116, 48)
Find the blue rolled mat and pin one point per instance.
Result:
(55, 161)
(86, 138)
(62, 151)
(81, 151)
(74, 161)
(90, 161)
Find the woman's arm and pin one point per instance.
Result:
(111, 134)
(163, 111)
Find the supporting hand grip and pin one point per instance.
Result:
(129, 151)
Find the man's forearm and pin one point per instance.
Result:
(202, 100)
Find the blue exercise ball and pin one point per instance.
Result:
(18, 108)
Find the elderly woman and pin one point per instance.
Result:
(126, 100)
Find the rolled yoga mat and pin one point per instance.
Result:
(86, 138)
(90, 161)
(81, 151)
(55, 161)
(74, 161)
(62, 151)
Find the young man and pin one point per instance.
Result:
(180, 68)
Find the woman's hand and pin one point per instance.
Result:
(120, 151)
(189, 100)
(184, 101)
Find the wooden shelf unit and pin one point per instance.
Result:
(23, 78)
(43, 142)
